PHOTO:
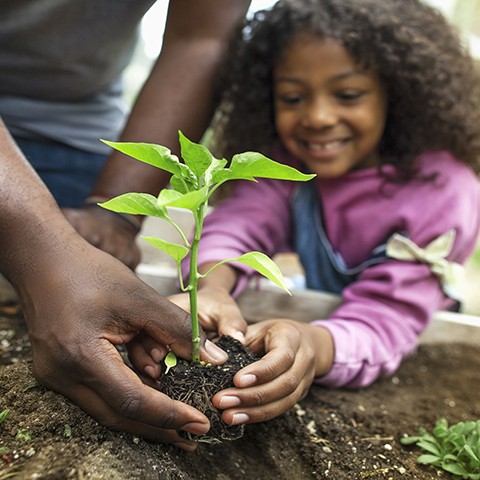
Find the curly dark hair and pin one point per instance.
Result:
(432, 83)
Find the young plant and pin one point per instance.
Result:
(455, 448)
(193, 182)
(4, 415)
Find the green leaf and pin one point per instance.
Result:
(136, 204)
(155, 155)
(177, 252)
(429, 459)
(190, 201)
(454, 448)
(409, 440)
(166, 196)
(4, 414)
(170, 361)
(196, 156)
(24, 435)
(179, 185)
(455, 469)
(441, 428)
(251, 165)
(429, 447)
(471, 453)
(449, 457)
(216, 165)
(67, 431)
(264, 265)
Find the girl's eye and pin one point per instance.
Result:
(350, 95)
(289, 99)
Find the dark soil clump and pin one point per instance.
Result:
(196, 384)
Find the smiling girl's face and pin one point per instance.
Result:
(329, 112)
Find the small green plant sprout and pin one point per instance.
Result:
(193, 182)
(4, 415)
(24, 435)
(170, 361)
(455, 448)
(67, 431)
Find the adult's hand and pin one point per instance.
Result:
(77, 312)
(107, 231)
(218, 315)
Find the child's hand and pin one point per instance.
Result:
(217, 313)
(295, 353)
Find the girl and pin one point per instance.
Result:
(381, 101)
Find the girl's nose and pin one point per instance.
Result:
(320, 114)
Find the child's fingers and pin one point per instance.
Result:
(294, 381)
(217, 312)
(282, 342)
(264, 411)
(275, 383)
(231, 322)
(182, 300)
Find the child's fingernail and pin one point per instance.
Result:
(228, 401)
(216, 352)
(238, 335)
(150, 371)
(239, 418)
(156, 354)
(247, 380)
(196, 428)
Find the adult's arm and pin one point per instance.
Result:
(79, 303)
(178, 95)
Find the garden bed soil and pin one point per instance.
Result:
(331, 434)
(196, 384)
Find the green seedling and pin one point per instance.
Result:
(455, 448)
(193, 182)
(170, 361)
(67, 431)
(4, 415)
(24, 435)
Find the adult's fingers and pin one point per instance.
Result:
(146, 355)
(131, 401)
(172, 327)
(107, 231)
(94, 405)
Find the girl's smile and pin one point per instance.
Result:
(329, 112)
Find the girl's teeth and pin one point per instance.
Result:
(325, 146)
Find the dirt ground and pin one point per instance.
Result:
(331, 434)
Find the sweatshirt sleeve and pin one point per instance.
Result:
(383, 312)
(378, 323)
(255, 217)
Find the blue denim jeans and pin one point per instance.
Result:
(68, 173)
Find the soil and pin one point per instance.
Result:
(331, 434)
(197, 383)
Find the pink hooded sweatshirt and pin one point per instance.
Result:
(385, 309)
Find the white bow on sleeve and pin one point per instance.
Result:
(434, 255)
